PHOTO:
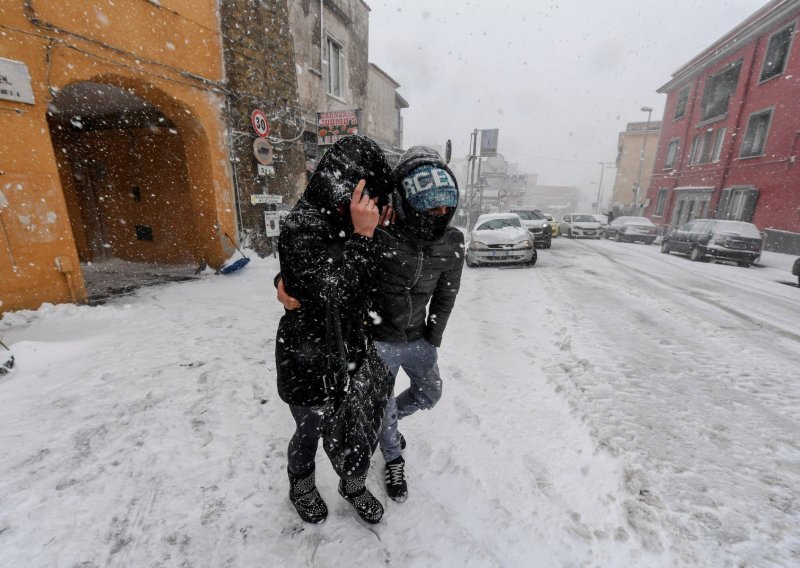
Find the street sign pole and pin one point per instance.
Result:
(480, 188)
(473, 143)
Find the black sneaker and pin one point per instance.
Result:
(364, 502)
(402, 442)
(306, 499)
(395, 478)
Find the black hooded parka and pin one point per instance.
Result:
(330, 270)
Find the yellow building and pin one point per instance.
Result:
(111, 141)
(636, 154)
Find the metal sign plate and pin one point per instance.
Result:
(262, 150)
(15, 82)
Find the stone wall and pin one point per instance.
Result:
(260, 74)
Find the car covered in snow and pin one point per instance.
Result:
(703, 239)
(631, 229)
(499, 238)
(537, 226)
(579, 225)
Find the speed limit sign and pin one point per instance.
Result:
(260, 123)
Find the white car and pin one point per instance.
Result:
(579, 225)
(500, 238)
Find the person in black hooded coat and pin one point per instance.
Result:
(328, 259)
(419, 278)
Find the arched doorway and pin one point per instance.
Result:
(123, 170)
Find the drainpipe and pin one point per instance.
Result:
(321, 34)
(7, 240)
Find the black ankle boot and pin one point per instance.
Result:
(364, 502)
(306, 499)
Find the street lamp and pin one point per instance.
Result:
(648, 110)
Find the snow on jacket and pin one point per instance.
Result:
(330, 271)
(413, 270)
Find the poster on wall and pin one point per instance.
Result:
(333, 125)
(272, 223)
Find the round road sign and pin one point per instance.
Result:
(260, 123)
(262, 150)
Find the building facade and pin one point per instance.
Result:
(128, 132)
(112, 144)
(636, 154)
(383, 120)
(731, 130)
(331, 42)
(339, 91)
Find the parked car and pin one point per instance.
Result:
(796, 271)
(715, 239)
(631, 229)
(553, 224)
(602, 219)
(500, 238)
(537, 225)
(579, 225)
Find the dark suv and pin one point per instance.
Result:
(538, 226)
(712, 238)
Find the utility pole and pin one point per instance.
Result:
(599, 187)
(636, 211)
(473, 144)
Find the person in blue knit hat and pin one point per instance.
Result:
(414, 294)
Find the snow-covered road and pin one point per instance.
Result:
(611, 406)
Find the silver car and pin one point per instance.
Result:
(500, 238)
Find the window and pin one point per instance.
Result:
(777, 53)
(661, 202)
(672, 153)
(694, 154)
(680, 107)
(719, 89)
(718, 144)
(738, 203)
(708, 146)
(756, 135)
(334, 69)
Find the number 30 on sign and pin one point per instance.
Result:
(260, 123)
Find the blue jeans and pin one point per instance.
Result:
(418, 359)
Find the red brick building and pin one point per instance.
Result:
(730, 138)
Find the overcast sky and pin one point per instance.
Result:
(560, 79)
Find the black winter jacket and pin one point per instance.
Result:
(330, 271)
(415, 271)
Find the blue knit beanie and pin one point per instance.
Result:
(428, 187)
